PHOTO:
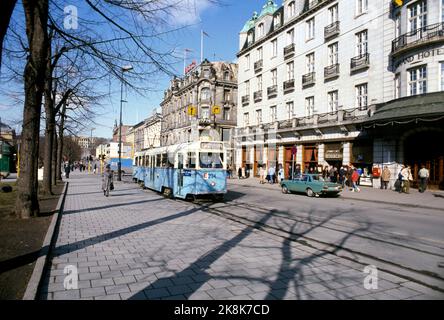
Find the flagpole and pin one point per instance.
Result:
(201, 46)
(184, 60)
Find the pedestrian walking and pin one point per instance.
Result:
(239, 173)
(423, 178)
(262, 173)
(95, 168)
(342, 172)
(67, 169)
(107, 181)
(272, 174)
(385, 178)
(281, 173)
(405, 175)
(354, 179)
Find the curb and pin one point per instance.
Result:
(364, 200)
(39, 268)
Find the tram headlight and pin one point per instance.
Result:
(213, 184)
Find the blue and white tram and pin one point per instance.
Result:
(184, 171)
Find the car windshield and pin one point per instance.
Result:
(213, 160)
(318, 178)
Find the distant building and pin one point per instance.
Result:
(85, 142)
(147, 133)
(202, 103)
(125, 129)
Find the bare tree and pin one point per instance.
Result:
(6, 9)
(36, 13)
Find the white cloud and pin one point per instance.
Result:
(188, 11)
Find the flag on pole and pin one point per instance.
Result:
(205, 34)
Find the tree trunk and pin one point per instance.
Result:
(60, 143)
(36, 13)
(54, 159)
(6, 9)
(49, 126)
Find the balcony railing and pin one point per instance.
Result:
(257, 96)
(258, 65)
(360, 62)
(245, 100)
(331, 30)
(308, 79)
(331, 72)
(272, 91)
(289, 51)
(428, 34)
(288, 85)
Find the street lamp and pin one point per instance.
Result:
(119, 165)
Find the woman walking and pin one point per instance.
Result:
(107, 181)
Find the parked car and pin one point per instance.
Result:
(312, 185)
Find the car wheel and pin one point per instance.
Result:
(310, 192)
(285, 189)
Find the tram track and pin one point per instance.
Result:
(427, 278)
(432, 280)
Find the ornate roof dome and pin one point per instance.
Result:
(269, 8)
(250, 23)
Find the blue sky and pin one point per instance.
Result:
(221, 23)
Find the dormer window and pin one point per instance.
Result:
(250, 38)
(277, 21)
(261, 30)
(291, 9)
(206, 73)
(227, 75)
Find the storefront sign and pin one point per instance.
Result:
(419, 56)
(333, 154)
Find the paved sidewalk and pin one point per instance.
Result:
(428, 199)
(138, 245)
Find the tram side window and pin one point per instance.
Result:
(158, 160)
(180, 161)
(191, 161)
(164, 160)
(170, 160)
(153, 161)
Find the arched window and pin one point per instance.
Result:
(291, 9)
(227, 75)
(205, 93)
(261, 30)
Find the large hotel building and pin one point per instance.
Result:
(345, 81)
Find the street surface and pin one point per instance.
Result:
(258, 244)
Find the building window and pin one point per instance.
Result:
(398, 25)
(442, 75)
(274, 77)
(362, 96)
(260, 30)
(227, 76)
(205, 94)
(259, 54)
(226, 114)
(397, 85)
(277, 21)
(227, 95)
(333, 14)
(361, 43)
(291, 9)
(417, 15)
(205, 112)
(310, 29)
(333, 101)
(259, 83)
(247, 62)
(418, 80)
(274, 46)
(310, 62)
(333, 54)
(246, 118)
(290, 37)
(250, 38)
(290, 110)
(309, 106)
(361, 7)
(247, 88)
(273, 113)
(290, 71)
(258, 116)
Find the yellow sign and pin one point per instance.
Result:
(216, 110)
(398, 2)
(192, 111)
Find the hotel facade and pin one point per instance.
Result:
(339, 82)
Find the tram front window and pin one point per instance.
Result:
(211, 160)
